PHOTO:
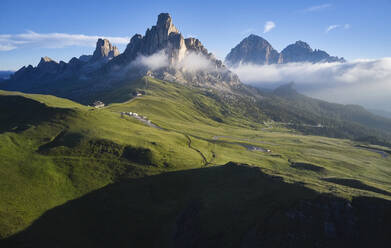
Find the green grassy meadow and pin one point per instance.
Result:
(59, 150)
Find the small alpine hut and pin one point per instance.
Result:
(98, 104)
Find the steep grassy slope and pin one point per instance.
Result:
(65, 150)
(56, 154)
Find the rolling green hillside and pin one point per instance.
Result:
(202, 171)
(285, 107)
(316, 117)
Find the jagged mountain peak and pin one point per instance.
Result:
(181, 58)
(104, 50)
(45, 60)
(253, 49)
(164, 22)
(163, 35)
(256, 50)
(194, 44)
(299, 48)
(301, 51)
(256, 38)
(162, 53)
(50, 70)
(302, 44)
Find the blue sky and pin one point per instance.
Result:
(31, 29)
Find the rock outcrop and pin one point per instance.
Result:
(302, 52)
(104, 50)
(49, 70)
(255, 50)
(163, 36)
(47, 65)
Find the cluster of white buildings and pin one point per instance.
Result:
(137, 116)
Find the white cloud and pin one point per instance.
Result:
(331, 27)
(269, 25)
(153, 62)
(52, 40)
(191, 62)
(365, 82)
(194, 62)
(317, 7)
(335, 26)
(4, 47)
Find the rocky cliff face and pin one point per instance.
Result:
(297, 52)
(182, 60)
(163, 36)
(45, 68)
(104, 50)
(50, 70)
(253, 49)
(302, 52)
(182, 55)
(256, 50)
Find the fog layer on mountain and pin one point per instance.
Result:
(364, 82)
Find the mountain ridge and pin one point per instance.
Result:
(183, 60)
(104, 52)
(256, 50)
(165, 38)
(253, 49)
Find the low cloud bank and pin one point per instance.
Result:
(191, 62)
(364, 82)
(52, 40)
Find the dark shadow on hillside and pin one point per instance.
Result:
(353, 183)
(75, 144)
(225, 206)
(19, 113)
(307, 166)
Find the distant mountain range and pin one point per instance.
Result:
(256, 50)
(162, 53)
(49, 70)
